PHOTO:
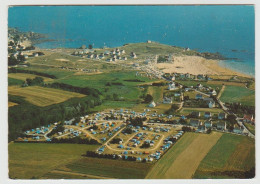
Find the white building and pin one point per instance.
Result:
(152, 104)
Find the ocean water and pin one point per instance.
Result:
(229, 30)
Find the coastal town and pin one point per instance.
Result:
(123, 100)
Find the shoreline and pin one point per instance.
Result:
(189, 64)
(198, 65)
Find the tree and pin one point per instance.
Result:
(186, 98)
(128, 130)
(173, 108)
(209, 131)
(12, 61)
(29, 81)
(148, 98)
(38, 80)
(90, 46)
(11, 43)
(21, 58)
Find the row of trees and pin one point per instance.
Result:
(67, 87)
(240, 109)
(109, 156)
(12, 60)
(137, 121)
(17, 70)
(75, 140)
(32, 82)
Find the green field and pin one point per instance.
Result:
(144, 49)
(204, 83)
(110, 83)
(12, 81)
(27, 160)
(187, 111)
(238, 94)
(114, 105)
(231, 154)
(109, 168)
(156, 92)
(250, 127)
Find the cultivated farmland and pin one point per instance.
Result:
(109, 168)
(35, 159)
(41, 96)
(229, 158)
(238, 94)
(24, 76)
(186, 162)
(10, 104)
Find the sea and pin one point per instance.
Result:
(227, 29)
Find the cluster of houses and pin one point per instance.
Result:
(185, 76)
(221, 125)
(209, 101)
(249, 118)
(110, 56)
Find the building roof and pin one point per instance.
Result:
(194, 121)
(222, 114)
(195, 113)
(207, 113)
(198, 95)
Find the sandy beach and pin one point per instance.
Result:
(196, 65)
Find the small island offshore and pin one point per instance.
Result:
(138, 111)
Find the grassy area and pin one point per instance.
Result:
(238, 94)
(156, 92)
(114, 105)
(192, 94)
(204, 83)
(59, 73)
(143, 49)
(160, 108)
(12, 82)
(41, 96)
(24, 76)
(232, 153)
(110, 83)
(250, 127)
(187, 111)
(110, 168)
(27, 160)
